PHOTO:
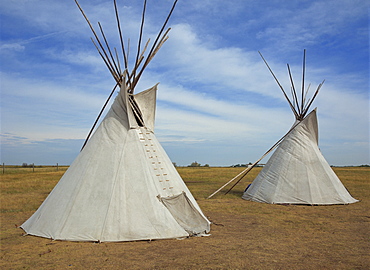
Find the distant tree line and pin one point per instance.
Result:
(196, 164)
(25, 165)
(245, 165)
(363, 165)
(241, 165)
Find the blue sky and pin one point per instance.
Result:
(217, 102)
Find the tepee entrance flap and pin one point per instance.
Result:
(186, 214)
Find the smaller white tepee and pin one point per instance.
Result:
(297, 172)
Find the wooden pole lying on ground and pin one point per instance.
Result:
(214, 193)
(242, 174)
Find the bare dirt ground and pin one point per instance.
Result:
(244, 235)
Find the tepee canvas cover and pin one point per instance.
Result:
(122, 186)
(117, 187)
(297, 172)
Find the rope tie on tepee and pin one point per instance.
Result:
(299, 106)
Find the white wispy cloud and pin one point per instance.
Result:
(312, 24)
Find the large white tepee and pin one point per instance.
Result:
(297, 172)
(122, 186)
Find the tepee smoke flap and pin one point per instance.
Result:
(122, 186)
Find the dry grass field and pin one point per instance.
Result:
(245, 235)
